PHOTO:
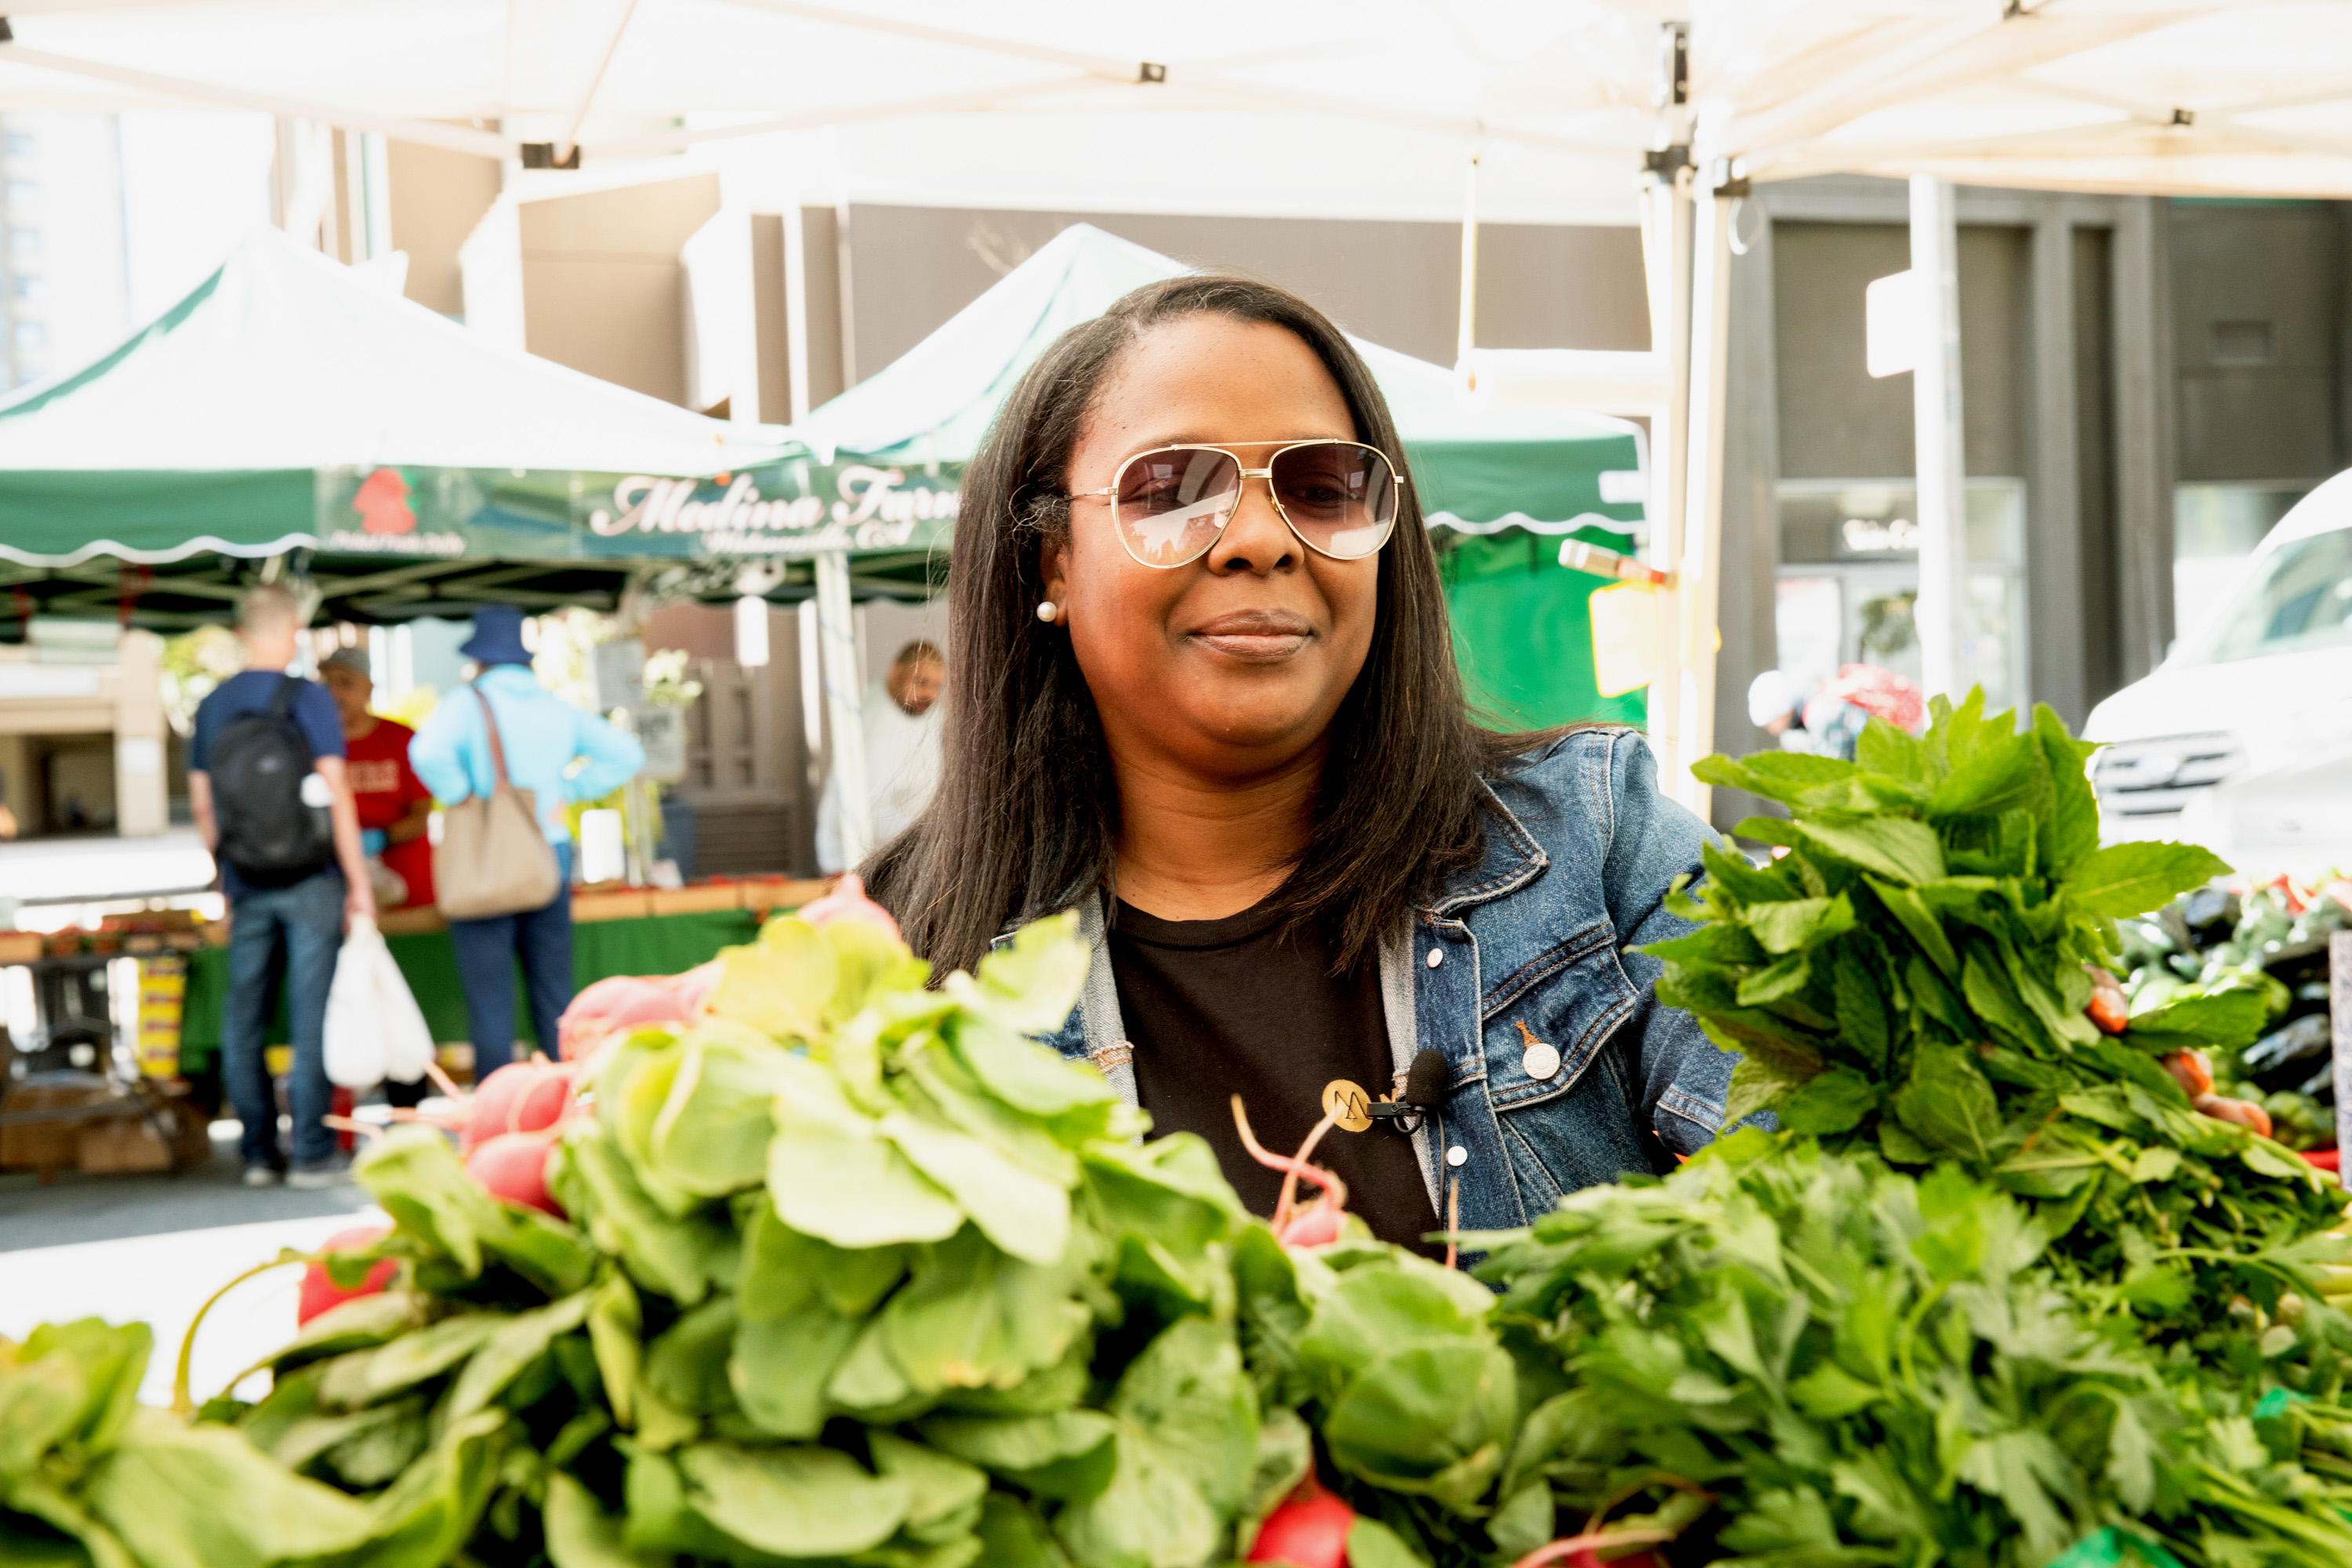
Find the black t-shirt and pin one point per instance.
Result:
(1216, 1008)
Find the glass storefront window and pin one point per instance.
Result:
(1849, 579)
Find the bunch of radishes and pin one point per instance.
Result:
(1311, 1529)
(508, 1128)
(2110, 1009)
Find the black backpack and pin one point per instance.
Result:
(267, 832)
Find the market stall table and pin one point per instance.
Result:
(635, 932)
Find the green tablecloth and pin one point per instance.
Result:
(661, 944)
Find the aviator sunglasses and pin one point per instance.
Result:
(1171, 504)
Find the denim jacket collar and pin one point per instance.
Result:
(1512, 859)
(1527, 971)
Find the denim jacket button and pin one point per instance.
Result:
(1436, 957)
(1457, 1155)
(1541, 1060)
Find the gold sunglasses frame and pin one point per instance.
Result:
(1110, 492)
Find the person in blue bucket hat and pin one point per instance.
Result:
(541, 736)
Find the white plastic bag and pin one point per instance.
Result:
(375, 1030)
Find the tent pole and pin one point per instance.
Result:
(1938, 436)
(1466, 335)
(1700, 569)
(843, 702)
(1666, 259)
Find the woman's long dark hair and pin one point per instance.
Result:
(1025, 821)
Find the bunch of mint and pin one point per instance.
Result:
(1908, 975)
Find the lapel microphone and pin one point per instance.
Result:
(1425, 1091)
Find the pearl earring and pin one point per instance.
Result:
(1048, 611)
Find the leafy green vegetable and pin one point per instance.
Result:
(1945, 1020)
(1859, 1367)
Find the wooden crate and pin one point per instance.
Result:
(20, 946)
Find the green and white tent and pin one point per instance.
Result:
(289, 404)
(1499, 488)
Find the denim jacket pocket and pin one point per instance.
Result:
(1545, 1023)
(1580, 1139)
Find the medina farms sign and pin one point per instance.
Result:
(789, 509)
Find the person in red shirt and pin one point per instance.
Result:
(394, 802)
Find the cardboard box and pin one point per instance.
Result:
(122, 1144)
(46, 1145)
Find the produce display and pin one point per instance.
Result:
(797, 1259)
(793, 1260)
(2270, 940)
(1916, 974)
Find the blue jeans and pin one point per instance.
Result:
(294, 933)
(486, 950)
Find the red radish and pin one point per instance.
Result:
(1578, 1553)
(1309, 1530)
(622, 1001)
(1309, 1225)
(542, 1104)
(520, 1097)
(319, 1291)
(2109, 1008)
(1318, 1225)
(2192, 1069)
(667, 999)
(848, 901)
(513, 1166)
(2244, 1112)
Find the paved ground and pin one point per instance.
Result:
(80, 1208)
(153, 1247)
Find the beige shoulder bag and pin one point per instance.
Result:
(494, 859)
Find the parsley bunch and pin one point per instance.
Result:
(1780, 1356)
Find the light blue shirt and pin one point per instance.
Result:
(541, 735)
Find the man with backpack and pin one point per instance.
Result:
(268, 789)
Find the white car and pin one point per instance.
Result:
(2241, 740)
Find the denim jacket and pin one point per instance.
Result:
(1521, 964)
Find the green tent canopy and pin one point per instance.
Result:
(290, 404)
(1498, 487)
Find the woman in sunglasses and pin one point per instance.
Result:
(1206, 695)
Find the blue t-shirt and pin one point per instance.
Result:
(252, 691)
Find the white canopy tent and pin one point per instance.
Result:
(1369, 109)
